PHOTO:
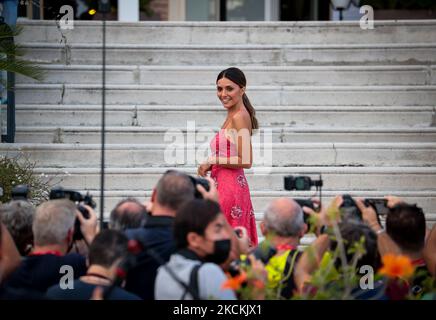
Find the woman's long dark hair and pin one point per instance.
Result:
(237, 76)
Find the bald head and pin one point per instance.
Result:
(128, 214)
(284, 217)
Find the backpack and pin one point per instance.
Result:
(193, 283)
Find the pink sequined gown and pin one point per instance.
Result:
(233, 188)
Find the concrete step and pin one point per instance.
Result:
(426, 200)
(335, 178)
(302, 32)
(206, 95)
(264, 155)
(167, 116)
(256, 75)
(240, 55)
(135, 134)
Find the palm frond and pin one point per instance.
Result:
(22, 67)
(7, 32)
(10, 53)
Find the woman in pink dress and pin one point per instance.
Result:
(232, 152)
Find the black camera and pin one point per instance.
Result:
(195, 181)
(307, 203)
(77, 198)
(301, 183)
(20, 192)
(380, 205)
(304, 183)
(349, 209)
(199, 181)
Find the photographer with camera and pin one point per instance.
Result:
(283, 227)
(53, 229)
(172, 190)
(405, 234)
(339, 215)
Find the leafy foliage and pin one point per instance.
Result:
(19, 170)
(11, 53)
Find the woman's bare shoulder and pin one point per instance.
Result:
(241, 120)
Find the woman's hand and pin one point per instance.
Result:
(203, 169)
(243, 239)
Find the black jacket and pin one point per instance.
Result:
(157, 236)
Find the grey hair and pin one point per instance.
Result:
(173, 189)
(17, 216)
(53, 220)
(284, 223)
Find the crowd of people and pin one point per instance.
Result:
(180, 246)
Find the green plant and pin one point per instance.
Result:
(331, 281)
(11, 53)
(336, 274)
(20, 170)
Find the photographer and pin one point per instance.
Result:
(405, 234)
(350, 232)
(53, 229)
(172, 190)
(17, 216)
(106, 253)
(128, 214)
(203, 242)
(283, 226)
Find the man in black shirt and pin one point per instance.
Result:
(172, 190)
(53, 228)
(106, 253)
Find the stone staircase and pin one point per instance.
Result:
(357, 106)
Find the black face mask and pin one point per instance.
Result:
(220, 253)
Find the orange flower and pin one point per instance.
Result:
(235, 282)
(397, 266)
